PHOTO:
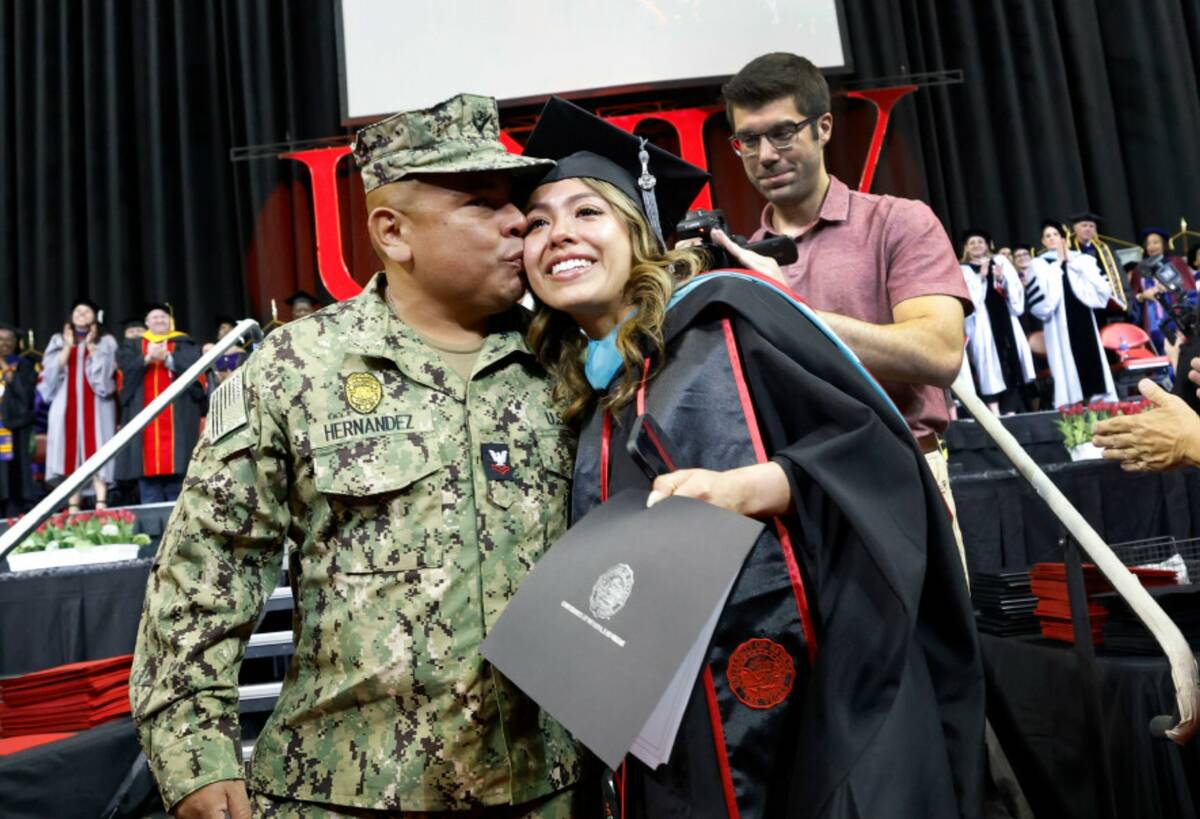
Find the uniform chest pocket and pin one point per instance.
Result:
(385, 499)
(526, 469)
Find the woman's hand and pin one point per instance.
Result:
(749, 259)
(68, 337)
(760, 491)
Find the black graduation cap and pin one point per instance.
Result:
(660, 184)
(1050, 221)
(158, 305)
(302, 295)
(12, 328)
(1166, 237)
(1086, 216)
(133, 321)
(975, 231)
(84, 300)
(224, 318)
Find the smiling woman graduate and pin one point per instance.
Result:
(844, 677)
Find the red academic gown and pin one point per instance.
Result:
(165, 446)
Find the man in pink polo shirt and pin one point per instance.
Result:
(879, 269)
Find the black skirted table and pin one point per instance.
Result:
(1005, 524)
(1036, 705)
(68, 615)
(94, 773)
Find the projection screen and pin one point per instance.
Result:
(401, 54)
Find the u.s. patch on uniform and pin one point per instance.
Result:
(227, 408)
(495, 462)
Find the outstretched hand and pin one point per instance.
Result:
(1164, 437)
(761, 490)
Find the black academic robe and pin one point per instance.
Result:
(184, 422)
(844, 678)
(16, 414)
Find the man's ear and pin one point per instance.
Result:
(825, 128)
(389, 230)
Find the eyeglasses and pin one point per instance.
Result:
(781, 136)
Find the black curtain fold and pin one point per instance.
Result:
(116, 122)
(117, 118)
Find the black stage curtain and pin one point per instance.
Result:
(1065, 104)
(116, 122)
(117, 118)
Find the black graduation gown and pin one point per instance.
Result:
(861, 589)
(16, 414)
(188, 407)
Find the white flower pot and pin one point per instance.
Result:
(1085, 452)
(109, 553)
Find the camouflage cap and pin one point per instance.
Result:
(456, 136)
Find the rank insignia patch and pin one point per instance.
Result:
(761, 673)
(363, 392)
(495, 462)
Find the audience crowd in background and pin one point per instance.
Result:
(1052, 320)
(60, 405)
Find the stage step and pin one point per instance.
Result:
(280, 599)
(269, 644)
(258, 697)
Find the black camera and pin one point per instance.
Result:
(1161, 272)
(1185, 319)
(699, 224)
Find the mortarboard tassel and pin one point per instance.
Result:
(647, 182)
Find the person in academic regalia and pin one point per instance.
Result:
(1194, 262)
(1023, 264)
(78, 381)
(133, 327)
(1071, 286)
(18, 383)
(158, 457)
(856, 578)
(1085, 236)
(1159, 282)
(303, 304)
(1000, 358)
(224, 366)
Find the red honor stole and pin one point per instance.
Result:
(77, 369)
(158, 438)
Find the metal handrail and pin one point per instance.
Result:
(33, 519)
(1184, 672)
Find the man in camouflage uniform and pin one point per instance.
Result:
(403, 445)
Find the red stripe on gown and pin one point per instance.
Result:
(89, 412)
(718, 732)
(77, 372)
(760, 454)
(158, 439)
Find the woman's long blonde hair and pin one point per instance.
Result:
(560, 345)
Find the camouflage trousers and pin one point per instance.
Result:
(555, 806)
